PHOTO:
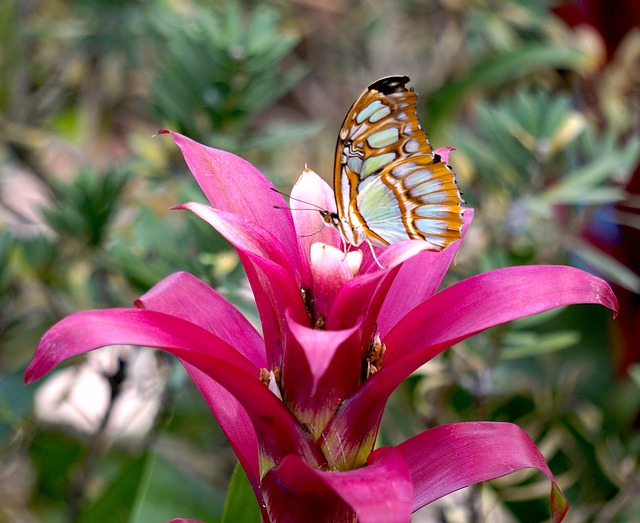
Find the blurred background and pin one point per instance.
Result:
(541, 101)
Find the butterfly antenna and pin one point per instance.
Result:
(313, 233)
(300, 209)
(317, 207)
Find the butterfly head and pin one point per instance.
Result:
(351, 235)
(331, 218)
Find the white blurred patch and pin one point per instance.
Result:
(463, 506)
(23, 197)
(77, 399)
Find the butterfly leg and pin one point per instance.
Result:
(373, 253)
(313, 233)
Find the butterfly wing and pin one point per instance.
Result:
(389, 185)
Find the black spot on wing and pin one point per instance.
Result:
(390, 84)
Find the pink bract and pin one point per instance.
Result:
(338, 336)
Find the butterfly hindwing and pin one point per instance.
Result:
(389, 185)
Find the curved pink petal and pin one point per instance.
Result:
(380, 492)
(275, 294)
(234, 421)
(185, 296)
(234, 185)
(362, 296)
(309, 223)
(457, 312)
(444, 153)
(393, 255)
(357, 298)
(488, 299)
(418, 279)
(88, 330)
(450, 457)
(329, 271)
(321, 369)
(246, 236)
(273, 277)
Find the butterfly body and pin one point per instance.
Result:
(388, 183)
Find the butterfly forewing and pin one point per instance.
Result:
(389, 185)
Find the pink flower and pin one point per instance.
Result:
(301, 404)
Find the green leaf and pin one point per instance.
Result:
(537, 320)
(634, 372)
(499, 70)
(224, 69)
(15, 401)
(86, 206)
(54, 457)
(576, 188)
(168, 491)
(7, 276)
(241, 502)
(606, 265)
(275, 136)
(524, 344)
(118, 498)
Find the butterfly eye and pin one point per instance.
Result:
(330, 218)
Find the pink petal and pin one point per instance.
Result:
(450, 457)
(275, 294)
(246, 236)
(85, 331)
(392, 255)
(329, 271)
(460, 311)
(444, 153)
(321, 369)
(234, 185)
(185, 296)
(488, 299)
(362, 296)
(273, 276)
(417, 280)
(359, 301)
(234, 422)
(379, 492)
(309, 224)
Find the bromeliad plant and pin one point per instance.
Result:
(301, 405)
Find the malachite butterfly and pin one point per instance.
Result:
(389, 185)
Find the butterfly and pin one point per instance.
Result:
(389, 185)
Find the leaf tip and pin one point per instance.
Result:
(31, 374)
(559, 504)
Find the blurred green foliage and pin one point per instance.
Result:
(219, 69)
(83, 209)
(546, 139)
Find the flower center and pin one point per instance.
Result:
(318, 321)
